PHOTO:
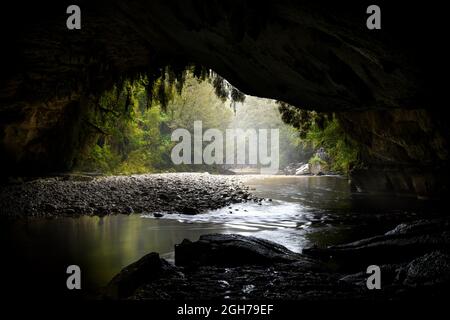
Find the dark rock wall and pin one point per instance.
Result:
(404, 152)
(313, 55)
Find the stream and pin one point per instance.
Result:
(297, 212)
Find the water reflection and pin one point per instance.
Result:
(303, 211)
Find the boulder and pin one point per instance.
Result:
(230, 250)
(430, 269)
(303, 170)
(399, 245)
(148, 268)
(317, 169)
(190, 210)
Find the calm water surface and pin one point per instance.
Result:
(304, 211)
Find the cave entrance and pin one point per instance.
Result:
(199, 122)
(92, 112)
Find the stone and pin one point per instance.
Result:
(239, 267)
(393, 247)
(430, 269)
(129, 210)
(230, 250)
(304, 169)
(190, 210)
(148, 268)
(164, 196)
(121, 195)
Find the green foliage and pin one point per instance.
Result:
(131, 124)
(316, 160)
(341, 149)
(162, 87)
(300, 119)
(132, 135)
(322, 130)
(197, 102)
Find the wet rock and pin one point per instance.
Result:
(238, 267)
(128, 210)
(400, 245)
(230, 250)
(70, 211)
(291, 277)
(50, 207)
(164, 196)
(148, 268)
(158, 215)
(190, 211)
(88, 211)
(292, 168)
(421, 227)
(303, 170)
(388, 271)
(428, 270)
(223, 283)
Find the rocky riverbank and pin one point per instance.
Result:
(414, 260)
(187, 193)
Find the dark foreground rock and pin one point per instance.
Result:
(401, 244)
(148, 268)
(187, 193)
(237, 267)
(230, 250)
(430, 269)
(225, 267)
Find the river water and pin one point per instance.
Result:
(301, 212)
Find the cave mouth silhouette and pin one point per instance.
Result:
(310, 55)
